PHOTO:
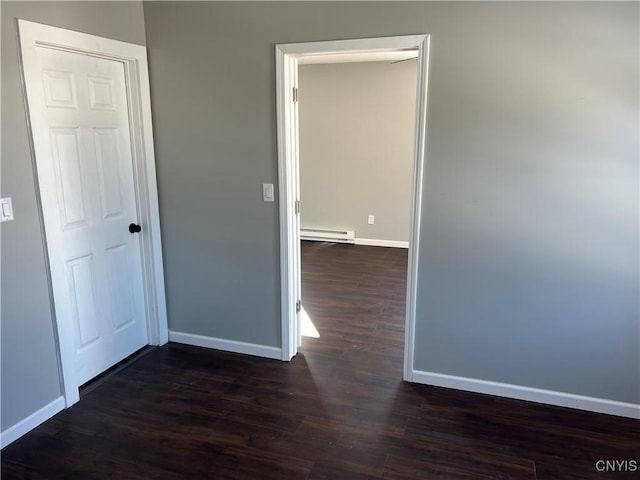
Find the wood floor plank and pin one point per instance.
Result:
(330, 472)
(339, 410)
(454, 466)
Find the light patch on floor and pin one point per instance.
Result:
(307, 328)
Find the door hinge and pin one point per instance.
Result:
(298, 306)
(295, 94)
(297, 206)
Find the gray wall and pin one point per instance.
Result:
(529, 251)
(356, 146)
(529, 266)
(30, 375)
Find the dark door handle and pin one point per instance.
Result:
(133, 228)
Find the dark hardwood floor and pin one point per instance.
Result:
(339, 410)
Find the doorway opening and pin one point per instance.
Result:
(288, 58)
(356, 154)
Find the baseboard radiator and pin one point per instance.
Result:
(328, 235)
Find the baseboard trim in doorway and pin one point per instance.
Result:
(23, 427)
(373, 242)
(226, 345)
(550, 397)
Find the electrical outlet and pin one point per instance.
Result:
(6, 209)
(371, 220)
(267, 192)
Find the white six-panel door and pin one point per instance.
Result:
(85, 169)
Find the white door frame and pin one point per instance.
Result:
(134, 58)
(287, 56)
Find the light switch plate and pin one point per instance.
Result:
(6, 209)
(267, 192)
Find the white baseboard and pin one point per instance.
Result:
(13, 433)
(372, 242)
(550, 397)
(226, 345)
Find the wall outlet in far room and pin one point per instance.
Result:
(371, 220)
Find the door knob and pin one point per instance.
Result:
(133, 228)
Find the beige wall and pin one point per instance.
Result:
(356, 147)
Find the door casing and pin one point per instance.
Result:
(287, 57)
(134, 57)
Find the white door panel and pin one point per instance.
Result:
(84, 311)
(65, 152)
(89, 184)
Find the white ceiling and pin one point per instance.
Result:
(358, 57)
